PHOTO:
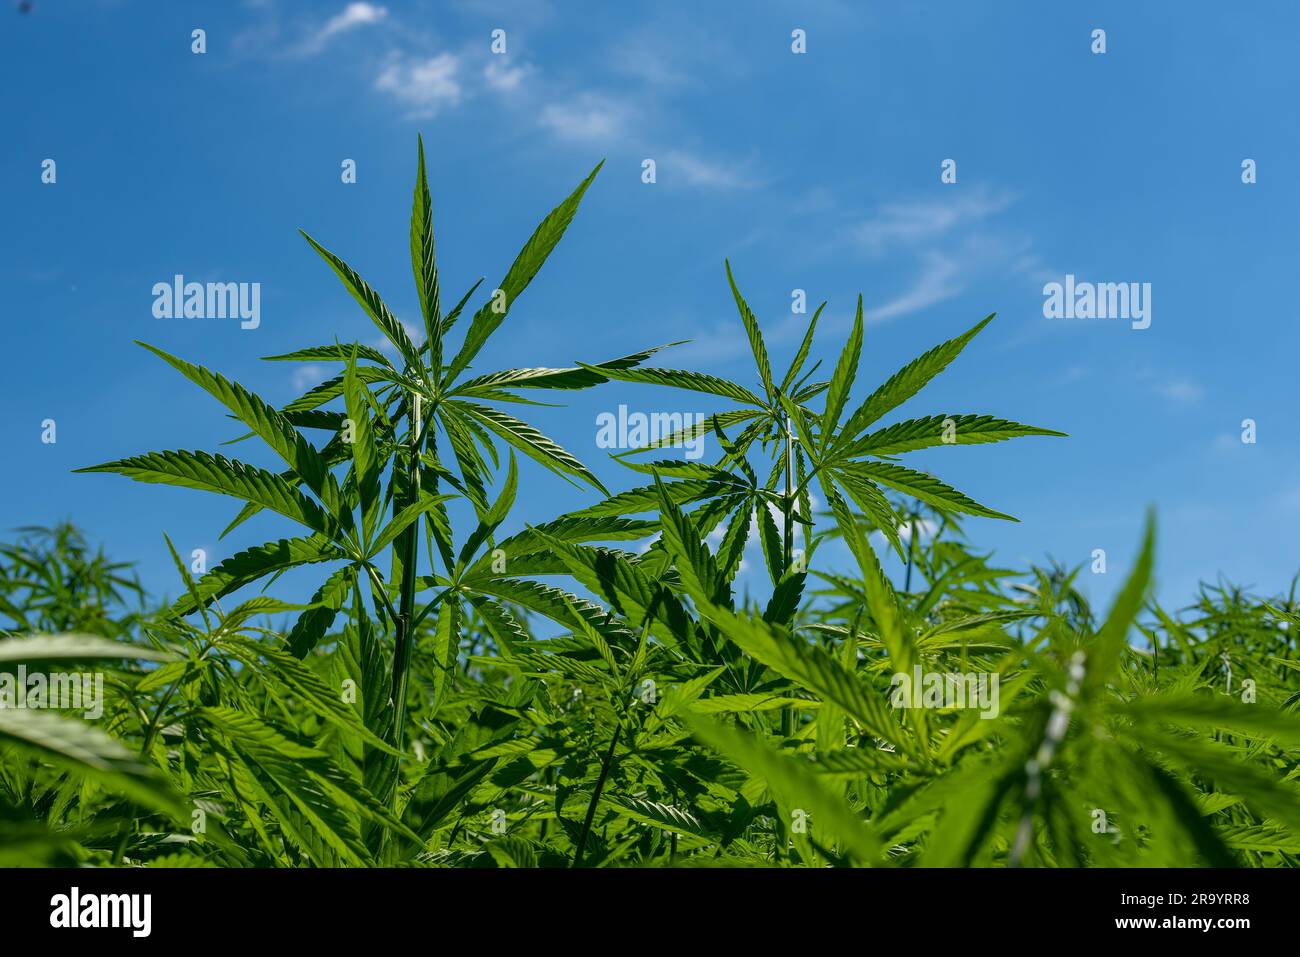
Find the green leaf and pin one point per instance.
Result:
(938, 430)
(677, 378)
(75, 647)
(923, 486)
(425, 504)
(246, 567)
(646, 497)
(965, 825)
(374, 307)
(365, 457)
(216, 473)
(88, 753)
(692, 432)
(755, 335)
(796, 786)
(874, 505)
(287, 777)
(665, 817)
(532, 443)
(809, 666)
(1260, 839)
(846, 370)
(312, 624)
(332, 388)
(577, 377)
(292, 680)
(553, 603)
(521, 273)
(1105, 650)
(882, 602)
(1216, 714)
(906, 382)
(691, 556)
(747, 703)
(575, 529)
(445, 647)
(338, 352)
(272, 427)
(802, 355)
(423, 261)
(494, 516)
(512, 852)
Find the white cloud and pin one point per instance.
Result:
(697, 171)
(352, 16)
(925, 528)
(940, 279)
(671, 54)
(648, 63)
(503, 78)
(913, 223)
(426, 86)
(588, 117)
(1179, 390)
(950, 242)
(416, 335)
(306, 377)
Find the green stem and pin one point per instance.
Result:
(150, 733)
(787, 713)
(381, 590)
(911, 551)
(595, 796)
(408, 554)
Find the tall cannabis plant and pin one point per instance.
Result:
(390, 440)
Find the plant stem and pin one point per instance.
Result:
(911, 551)
(408, 553)
(789, 495)
(595, 796)
(787, 713)
(150, 733)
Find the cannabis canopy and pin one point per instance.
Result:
(593, 690)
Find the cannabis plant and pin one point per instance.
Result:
(598, 689)
(385, 444)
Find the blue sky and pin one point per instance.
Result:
(818, 171)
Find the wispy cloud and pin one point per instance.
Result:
(926, 221)
(1179, 390)
(425, 86)
(425, 78)
(670, 54)
(504, 78)
(695, 170)
(1228, 442)
(304, 377)
(352, 16)
(946, 269)
(1168, 384)
(647, 64)
(939, 279)
(951, 241)
(588, 117)
(414, 334)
